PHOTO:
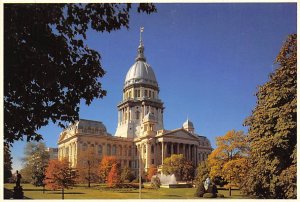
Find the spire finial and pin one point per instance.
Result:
(141, 56)
(141, 31)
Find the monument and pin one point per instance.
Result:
(18, 190)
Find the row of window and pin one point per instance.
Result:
(138, 93)
(110, 150)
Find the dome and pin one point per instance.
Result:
(188, 124)
(140, 72)
(83, 123)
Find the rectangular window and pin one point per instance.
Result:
(146, 93)
(138, 93)
(152, 161)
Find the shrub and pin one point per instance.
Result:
(209, 195)
(200, 190)
(155, 182)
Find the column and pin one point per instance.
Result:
(172, 148)
(148, 155)
(162, 153)
(178, 148)
(189, 152)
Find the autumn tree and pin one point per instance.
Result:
(114, 178)
(48, 67)
(151, 171)
(105, 166)
(7, 167)
(59, 175)
(273, 130)
(229, 159)
(126, 175)
(202, 172)
(87, 167)
(35, 162)
(176, 164)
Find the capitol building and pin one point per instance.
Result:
(140, 129)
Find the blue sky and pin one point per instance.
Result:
(208, 60)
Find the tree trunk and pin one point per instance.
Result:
(62, 193)
(229, 190)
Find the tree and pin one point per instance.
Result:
(35, 160)
(229, 159)
(126, 175)
(7, 164)
(59, 175)
(105, 166)
(113, 178)
(48, 68)
(273, 130)
(175, 164)
(202, 172)
(88, 167)
(151, 171)
(188, 171)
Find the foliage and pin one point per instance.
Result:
(59, 175)
(202, 172)
(188, 171)
(273, 130)
(114, 179)
(7, 164)
(229, 159)
(200, 190)
(151, 171)
(105, 166)
(155, 182)
(126, 175)
(176, 164)
(35, 160)
(87, 167)
(48, 68)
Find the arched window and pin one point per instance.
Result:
(137, 115)
(100, 150)
(114, 150)
(84, 147)
(108, 149)
(129, 152)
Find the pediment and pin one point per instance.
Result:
(180, 134)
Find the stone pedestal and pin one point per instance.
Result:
(18, 192)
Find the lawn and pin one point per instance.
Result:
(101, 192)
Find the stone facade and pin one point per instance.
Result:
(140, 130)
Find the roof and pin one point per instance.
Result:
(140, 72)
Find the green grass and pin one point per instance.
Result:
(101, 192)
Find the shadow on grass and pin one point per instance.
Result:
(8, 194)
(66, 193)
(173, 195)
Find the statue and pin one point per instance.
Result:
(207, 183)
(18, 190)
(18, 181)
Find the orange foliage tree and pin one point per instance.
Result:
(87, 167)
(59, 175)
(114, 176)
(229, 159)
(151, 171)
(105, 166)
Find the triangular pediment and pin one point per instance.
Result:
(181, 134)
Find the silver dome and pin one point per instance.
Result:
(188, 124)
(140, 72)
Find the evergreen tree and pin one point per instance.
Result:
(273, 130)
